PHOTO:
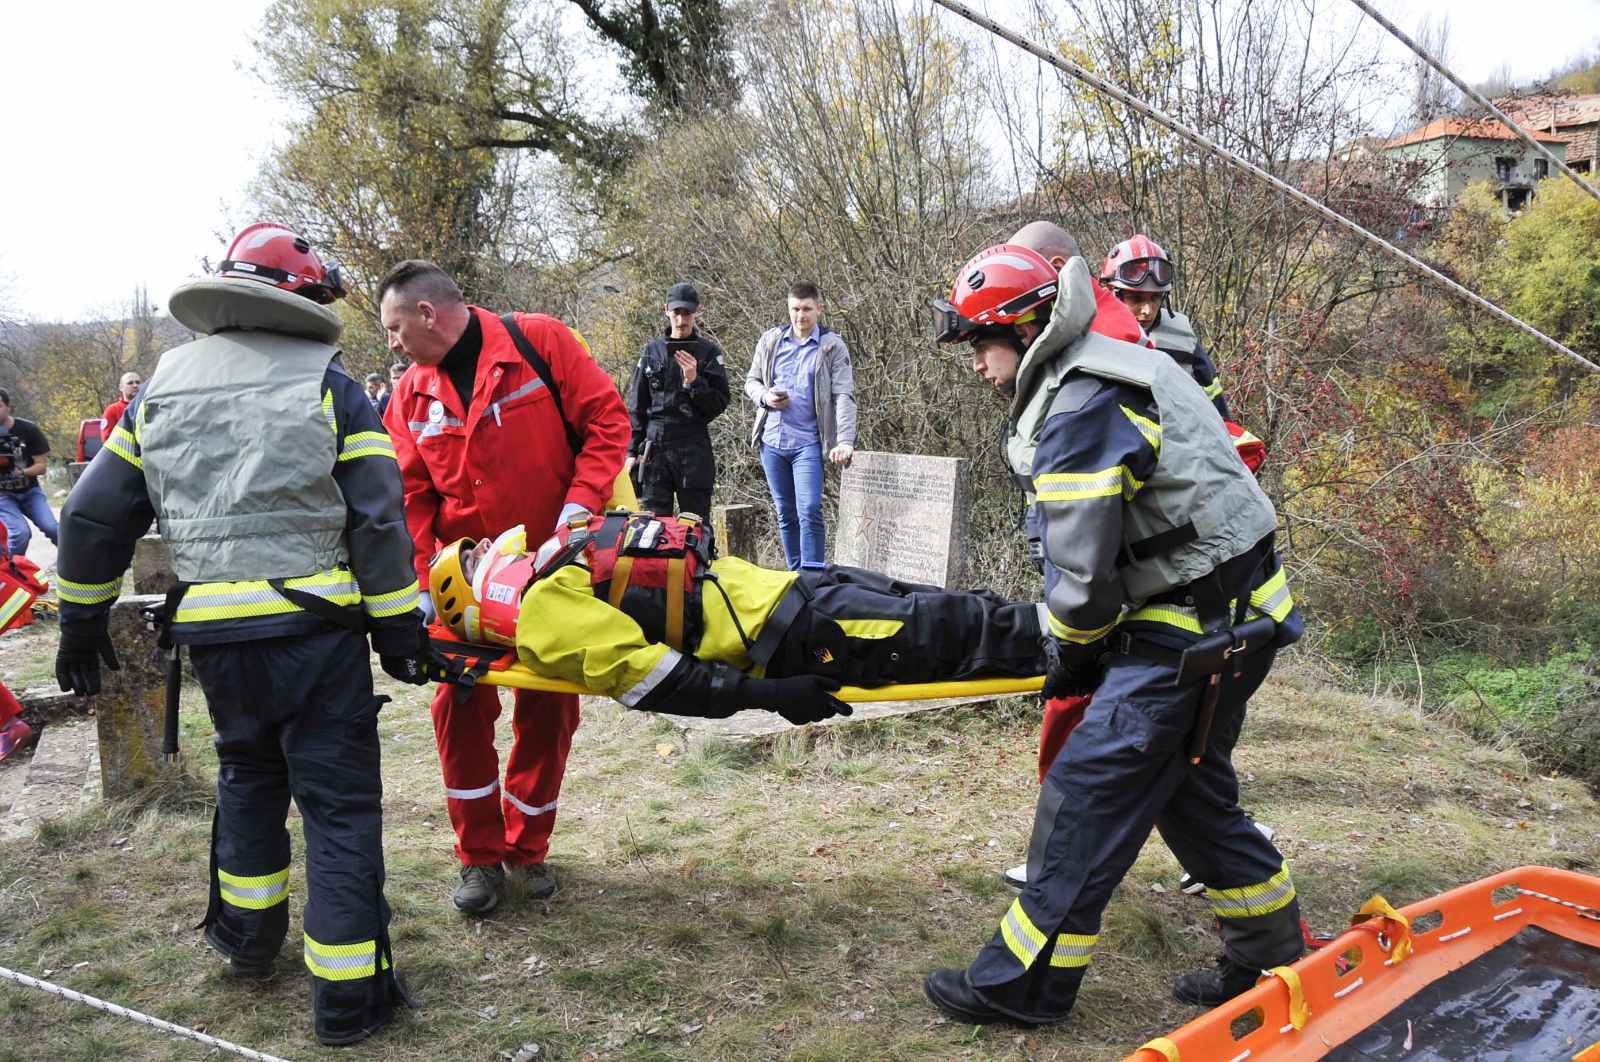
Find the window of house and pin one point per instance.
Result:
(1504, 167)
(1541, 168)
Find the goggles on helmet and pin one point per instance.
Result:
(948, 324)
(329, 289)
(1139, 269)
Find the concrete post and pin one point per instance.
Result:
(152, 566)
(738, 531)
(130, 710)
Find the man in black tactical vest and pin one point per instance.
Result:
(678, 389)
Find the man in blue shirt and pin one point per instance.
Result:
(801, 382)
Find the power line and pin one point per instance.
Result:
(1067, 66)
(1473, 95)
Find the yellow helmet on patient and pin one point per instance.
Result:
(456, 598)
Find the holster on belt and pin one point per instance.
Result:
(159, 618)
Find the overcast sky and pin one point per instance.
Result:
(132, 135)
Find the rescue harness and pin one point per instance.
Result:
(651, 568)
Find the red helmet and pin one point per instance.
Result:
(275, 255)
(1001, 285)
(1137, 264)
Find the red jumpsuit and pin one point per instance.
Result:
(19, 586)
(474, 473)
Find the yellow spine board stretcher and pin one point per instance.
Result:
(506, 670)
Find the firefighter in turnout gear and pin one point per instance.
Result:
(679, 387)
(1141, 274)
(630, 606)
(1166, 605)
(277, 491)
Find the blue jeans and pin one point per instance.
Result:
(795, 479)
(30, 503)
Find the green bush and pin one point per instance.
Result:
(1551, 710)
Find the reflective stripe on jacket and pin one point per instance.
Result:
(344, 448)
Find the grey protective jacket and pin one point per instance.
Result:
(833, 387)
(262, 459)
(1193, 477)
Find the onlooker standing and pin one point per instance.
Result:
(678, 389)
(126, 389)
(377, 394)
(495, 429)
(801, 382)
(22, 450)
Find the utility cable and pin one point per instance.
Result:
(1067, 66)
(133, 1015)
(1476, 97)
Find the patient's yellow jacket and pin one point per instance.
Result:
(565, 632)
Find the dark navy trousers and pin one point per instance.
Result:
(1124, 771)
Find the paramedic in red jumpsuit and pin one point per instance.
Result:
(483, 447)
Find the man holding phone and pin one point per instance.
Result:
(804, 390)
(678, 389)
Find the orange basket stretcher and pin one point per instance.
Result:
(1357, 987)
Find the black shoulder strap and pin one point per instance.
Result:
(350, 619)
(542, 368)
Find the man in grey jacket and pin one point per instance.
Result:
(804, 391)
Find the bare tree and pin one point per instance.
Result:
(1432, 95)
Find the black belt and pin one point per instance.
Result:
(777, 625)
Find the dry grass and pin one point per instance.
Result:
(722, 902)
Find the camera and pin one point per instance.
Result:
(13, 456)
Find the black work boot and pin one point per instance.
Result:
(952, 992)
(1214, 986)
(536, 881)
(479, 890)
(256, 963)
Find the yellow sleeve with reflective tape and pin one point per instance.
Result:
(565, 632)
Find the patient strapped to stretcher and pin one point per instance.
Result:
(639, 608)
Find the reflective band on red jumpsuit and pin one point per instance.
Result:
(473, 473)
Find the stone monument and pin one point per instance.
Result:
(904, 515)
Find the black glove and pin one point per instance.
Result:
(799, 699)
(84, 643)
(406, 654)
(1072, 670)
(421, 668)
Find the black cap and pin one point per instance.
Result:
(373, 377)
(682, 296)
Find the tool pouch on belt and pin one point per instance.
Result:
(1212, 652)
(159, 618)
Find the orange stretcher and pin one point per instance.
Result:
(498, 666)
(1507, 967)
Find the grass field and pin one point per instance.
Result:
(784, 901)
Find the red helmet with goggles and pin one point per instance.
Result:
(1001, 285)
(1137, 264)
(275, 255)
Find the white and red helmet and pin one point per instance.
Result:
(1000, 285)
(1137, 264)
(275, 255)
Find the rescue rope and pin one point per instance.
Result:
(1137, 105)
(1586, 912)
(134, 1015)
(1476, 97)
